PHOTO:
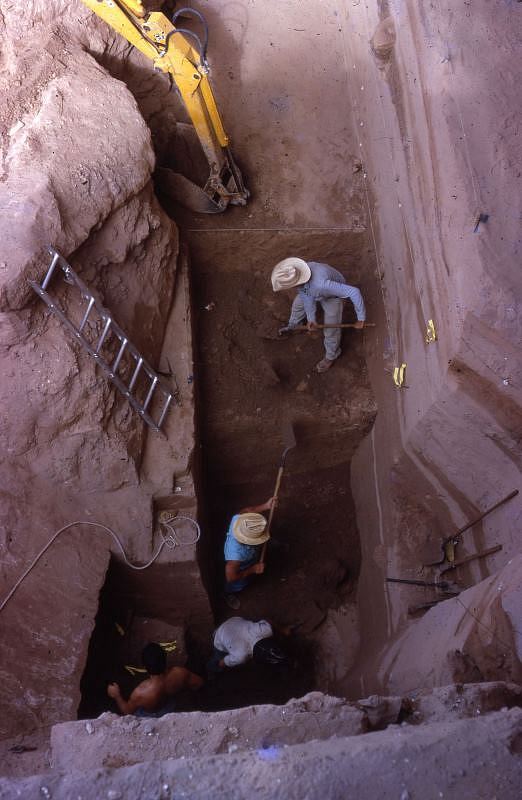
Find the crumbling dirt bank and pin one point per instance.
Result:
(77, 160)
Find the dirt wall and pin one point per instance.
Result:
(77, 159)
(439, 145)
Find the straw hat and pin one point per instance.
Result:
(289, 273)
(250, 528)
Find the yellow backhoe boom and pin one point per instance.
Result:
(181, 54)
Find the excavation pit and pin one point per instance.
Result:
(374, 137)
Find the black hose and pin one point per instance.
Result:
(193, 35)
(195, 13)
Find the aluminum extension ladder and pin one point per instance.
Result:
(141, 380)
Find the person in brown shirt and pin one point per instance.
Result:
(152, 694)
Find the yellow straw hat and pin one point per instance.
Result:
(250, 528)
(289, 273)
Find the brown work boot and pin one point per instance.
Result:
(324, 364)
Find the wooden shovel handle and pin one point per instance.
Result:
(272, 509)
(495, 549)
(333, 325)
(477, 519)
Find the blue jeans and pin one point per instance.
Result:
(213, 662)
(333, 315)
(232, 587)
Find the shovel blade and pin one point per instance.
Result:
(289, 435)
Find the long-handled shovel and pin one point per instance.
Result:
(266, 332)
(290, 442)
(335, 325)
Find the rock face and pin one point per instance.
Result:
(46, 627)
(440, 759)
(446, 445)
(76, 166)
(68, 168)
(474, 636)
(113, 741)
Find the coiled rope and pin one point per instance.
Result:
(170, 540)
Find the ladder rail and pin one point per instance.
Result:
(126, 346)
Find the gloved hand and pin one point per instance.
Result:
(286, 329)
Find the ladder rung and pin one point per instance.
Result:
(149, 395)
(136, 372)
(116, 364)
(165, 409)
(50, 271)
(103, 336)
(86, 315)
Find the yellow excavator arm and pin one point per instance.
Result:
(181, 54)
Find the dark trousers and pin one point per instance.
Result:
(213, 665)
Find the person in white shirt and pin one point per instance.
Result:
(238, 640)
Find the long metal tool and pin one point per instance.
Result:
(484, 514)
(333, 325)
(444, 586)
(448, 544)
(267, 333)
(472, 557)
(290, 442)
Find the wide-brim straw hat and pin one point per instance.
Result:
(250, 528)
(289, 273)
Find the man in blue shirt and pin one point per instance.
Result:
(246, 536)
(318, 283)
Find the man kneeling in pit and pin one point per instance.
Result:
(153, 697)
(239, 640)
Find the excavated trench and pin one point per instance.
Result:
(249, 382)
(368, 141)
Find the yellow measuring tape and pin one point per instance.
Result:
(169, 647)
(431, 333)
(134, 670)
(398, 375)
